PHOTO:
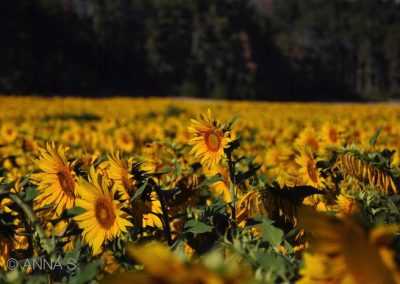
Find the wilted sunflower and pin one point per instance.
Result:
(103, 219)
(210, 139)
(355, 166)
(57, 181)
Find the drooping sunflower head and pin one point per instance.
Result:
(210, 139)
(104, 218)
(56, 182)
(360, 167)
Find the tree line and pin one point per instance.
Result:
(237, 49)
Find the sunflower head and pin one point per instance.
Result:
(103, 219)
(210, 139)
(346, 205)
(308, 172)
(56, 181)
(120, 172)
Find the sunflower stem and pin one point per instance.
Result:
(28, 211)
(231, 167)
(164, 208)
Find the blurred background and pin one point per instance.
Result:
(277, 50)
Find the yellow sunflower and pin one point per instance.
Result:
(103, 219)
(346, 205)
(120, 172)
(151, 219)
(56, 182)
(309, 138)
(331, 136)
(124, 139)
(308, 171)
(209, 139)
(8, 133)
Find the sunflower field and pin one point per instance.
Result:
(194, 191)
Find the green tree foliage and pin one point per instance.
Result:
(290, 50)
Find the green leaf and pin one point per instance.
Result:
(139, 191)
(375, 210)
(24, 181)
(241, 178)
(214, 179)
(75, 211)
(272, 234)
(375, 137)
(72, 255)
(30, 194)
(288, 247)
(163, 172)
(197, 227)
(178, 169)
(101, 160)
(45, 207)
(87, 273)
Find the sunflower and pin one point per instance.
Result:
(210, 139)
(308, 171)
(8, 133)
(57, 180)
(103, 219)
(323, 269)
(162, 266)
(332, 136)
(154, 207)
(344, 251)
(346, 205)
(309, 138)
(111, 264)
(365, 171)
(124, 139)
(120, 172)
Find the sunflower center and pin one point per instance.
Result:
(67, 183)
(104, 212)
(313, 143)
(125, 139)
(311, 171)
(213, 142)
(333, 135)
